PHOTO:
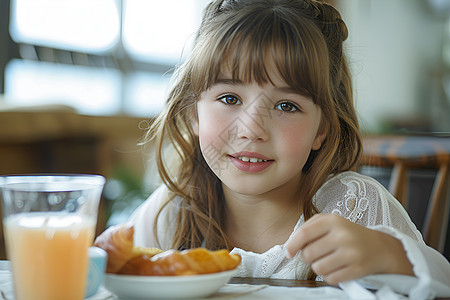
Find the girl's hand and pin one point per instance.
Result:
(340, 250)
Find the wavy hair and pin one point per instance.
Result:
(304, 40)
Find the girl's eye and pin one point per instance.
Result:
(229, 99)
(286, 106)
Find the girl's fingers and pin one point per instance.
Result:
(343, 274)
(338, 266)
(317, 249)
(331, 262)
(312, 230)
(340, 250)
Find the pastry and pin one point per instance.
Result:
(125, 258)
(117, 241)
(187, 262)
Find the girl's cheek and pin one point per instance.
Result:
(295, 141)
(210, 131)
(213, 120)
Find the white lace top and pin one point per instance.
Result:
(356, 197)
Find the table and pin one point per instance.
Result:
(240, 288)
(237, 288)
(278, 282)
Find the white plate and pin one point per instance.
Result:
(166, 287)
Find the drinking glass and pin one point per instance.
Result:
(49, 223)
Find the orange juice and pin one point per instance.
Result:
(49, 254)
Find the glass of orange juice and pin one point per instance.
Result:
(49, 224)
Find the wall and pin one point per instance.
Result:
(395, 55)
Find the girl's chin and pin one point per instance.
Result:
(245, 183)
(246, 188)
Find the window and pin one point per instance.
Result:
(81, 25)
(90, 91)
(102, 57)
(145, 92)
(152, 35)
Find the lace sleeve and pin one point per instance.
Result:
(363, 200)
(143, 220)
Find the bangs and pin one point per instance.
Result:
(249, 43)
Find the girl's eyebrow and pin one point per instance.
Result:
(286, 90)
(229, 81)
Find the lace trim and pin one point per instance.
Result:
(355, 201)
(265, 265)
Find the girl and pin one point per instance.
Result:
(265, 141)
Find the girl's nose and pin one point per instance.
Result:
(255, 121)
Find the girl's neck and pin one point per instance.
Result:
(258, 222)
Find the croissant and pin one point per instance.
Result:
(117, 241)
(187, 262)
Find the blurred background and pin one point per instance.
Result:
(399, 54)
(81, 79)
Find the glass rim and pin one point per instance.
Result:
(52, 178)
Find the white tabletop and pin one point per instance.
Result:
(229, 291)
(234, 291)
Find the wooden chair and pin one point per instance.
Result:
(403, 153)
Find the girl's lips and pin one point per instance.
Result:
(248, 164)
(250, 155)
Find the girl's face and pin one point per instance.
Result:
(257, 138)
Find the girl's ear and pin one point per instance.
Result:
(320, 137)
(194, 120)
(195, 126)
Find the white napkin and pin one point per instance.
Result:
(359, 289)
(251, 292)
(356, 291)
(6, 285)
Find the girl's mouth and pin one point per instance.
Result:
(251, 159)
(250, 162)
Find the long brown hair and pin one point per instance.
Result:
(304, 40)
